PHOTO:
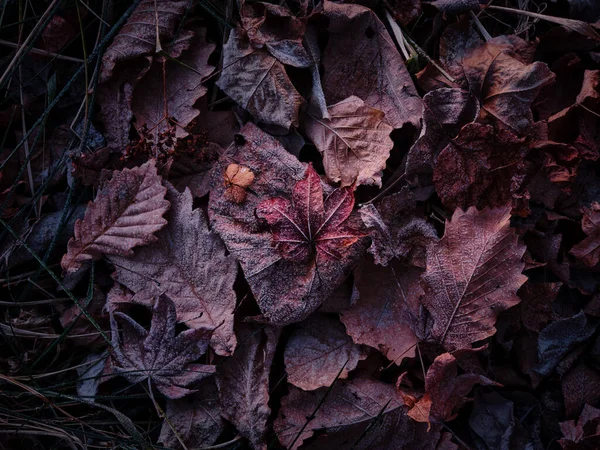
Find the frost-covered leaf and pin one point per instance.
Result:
(258, 82)
(184, 264)
(243, 383)
(354, 141)
(317, 351)
(387, 310)
(361, 59)
(267, 268)
(126, 213)
(473, 273)
(159, 354)
(588, 250)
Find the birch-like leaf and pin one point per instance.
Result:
(355, 142)
(184, 264)
(126, 212)
(473, 273)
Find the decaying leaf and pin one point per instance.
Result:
(126, 213)
(183, 264)
(237, 179)
(386, 314)
(473, 273)
(258, 82)
(243, 383)
(584, 433)
(287, 289)
(588, 250)
(354, 141)
(361, 59)
(159, 355)
(318, 351)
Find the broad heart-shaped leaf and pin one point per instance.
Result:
(361, 59)
(286, 290)
(183, 264)
(138, 36)
(358, 414)
(355, 142)
(258, 82)
(445, 390)
(588, 250)
(243, 382)
(473, 273)
(159, 355)
(168, 92)
(387, 312)
(317, 351)
(308, 224)
(193, 419)
(126, 212)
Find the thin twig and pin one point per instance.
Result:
(40, 52)
(480, 27)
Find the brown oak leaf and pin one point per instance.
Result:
(345, 413)
(258, 82)
(473, 273)
(126, 213)
(445, 390)
(267, 268)
(175, 86)
(243, 383)
(192, 419)
(387, 311)
(361, 59)
(480, 168)
(183, 264)
(159, 355)
(588, 250)
(310, 224)
(237, 178)
(396, 231)
(318, 351)
(138, 37)
(354, 141)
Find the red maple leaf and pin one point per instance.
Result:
(310, 226)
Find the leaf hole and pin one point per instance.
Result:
(369, 32)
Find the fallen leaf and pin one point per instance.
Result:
(243, 383)
(266, 269)
(361, 59)
(183, 264)
(126, 213)
(193, 419)
(237, 178)
(588, 250)
(473, 273)
(454, 6)
(387, 311)
(354, 141)
(258, 82)
(536, 304)
(319, 350)
(583, 433)
(579, 386)
(159, 355)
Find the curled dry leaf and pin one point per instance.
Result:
(588, 250)
(237, 179)
(126, 213)
(307, 283)
(387, 311)
(243, 383)
(138, 36)
(361, 59)
(183, 264)
(473, 273)
(175, 88)
(318, 351)
(354, 141)
(258, 82)
(160, 355)
(445, 390)
(396, 231)
(193, 419)
(347, 414)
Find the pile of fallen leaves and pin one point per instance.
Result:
(300, 224)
